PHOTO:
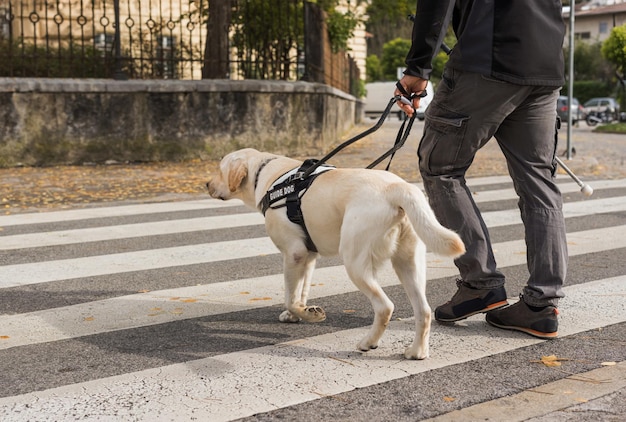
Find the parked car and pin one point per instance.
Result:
(562, 109)
(605, 108)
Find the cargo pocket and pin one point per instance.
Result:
(443, 147)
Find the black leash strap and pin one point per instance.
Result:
(403, 134)
(350, 141)
(400, 139)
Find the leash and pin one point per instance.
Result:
(403, 133)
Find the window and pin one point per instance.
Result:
(603, 28)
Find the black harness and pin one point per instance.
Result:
(291, 186)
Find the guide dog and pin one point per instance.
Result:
(365, 216)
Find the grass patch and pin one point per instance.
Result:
(611, 128)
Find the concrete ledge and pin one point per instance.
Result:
(70, 121)
(59, 85)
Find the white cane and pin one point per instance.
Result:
(584, 188)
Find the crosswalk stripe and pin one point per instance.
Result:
(67, 237)
(128, 231)
(117, 211)
(214, 388)
(23, 274)
(565, 188)
(164, 207)
(43, 272)
(164, 306)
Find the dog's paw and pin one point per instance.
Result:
(416, 353)
(366, 345)
(287, 316)
(313, 314)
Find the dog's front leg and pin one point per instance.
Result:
(299, 268)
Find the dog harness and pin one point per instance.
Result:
(290, 187)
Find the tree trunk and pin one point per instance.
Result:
(216, 50)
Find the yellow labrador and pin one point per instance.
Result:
(365, 216)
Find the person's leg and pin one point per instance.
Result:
(527, 138)
(459, 121)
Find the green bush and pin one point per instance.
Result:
(29, 60)
(373, 68)
(394, 55)
(585, 90)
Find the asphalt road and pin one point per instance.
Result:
(157, 309)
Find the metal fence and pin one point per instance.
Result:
(101, 38)
(156, 39)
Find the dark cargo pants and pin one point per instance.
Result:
(466, 112)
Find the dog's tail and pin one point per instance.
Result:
(437, 238)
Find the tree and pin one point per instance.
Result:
(388, 20)
(373, 68)
(614, 50)
(217, 47)
(394, 55)
(589, 63)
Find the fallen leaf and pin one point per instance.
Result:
(89, 318)
(551, 360)
(349, 311)
(4, 337)
(448, 399)
(255, 299)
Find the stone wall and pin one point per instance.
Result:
(69, 121)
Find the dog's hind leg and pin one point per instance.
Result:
(409, 263)
(299, 267)
(361, 269)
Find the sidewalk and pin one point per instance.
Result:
(36, 189)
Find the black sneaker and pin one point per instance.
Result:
(539, 322)
(468, 301)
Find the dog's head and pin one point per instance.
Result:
(232, 175)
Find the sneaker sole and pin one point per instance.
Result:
(534, 333)
(491, 307)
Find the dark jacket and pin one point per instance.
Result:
(518, 41)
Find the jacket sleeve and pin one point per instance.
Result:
(432, 18)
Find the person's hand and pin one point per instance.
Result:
(412, 85)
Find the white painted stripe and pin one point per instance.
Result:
(23, 274)
(43, 272)
(128, 231)
(67, 237)
(197, 301)
(240, 384)
(150, 208)
(566, 188)
(570, 210)
(118, 211)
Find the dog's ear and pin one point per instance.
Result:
(237, 173)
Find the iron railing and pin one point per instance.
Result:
(101, 38)
(156, 39)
